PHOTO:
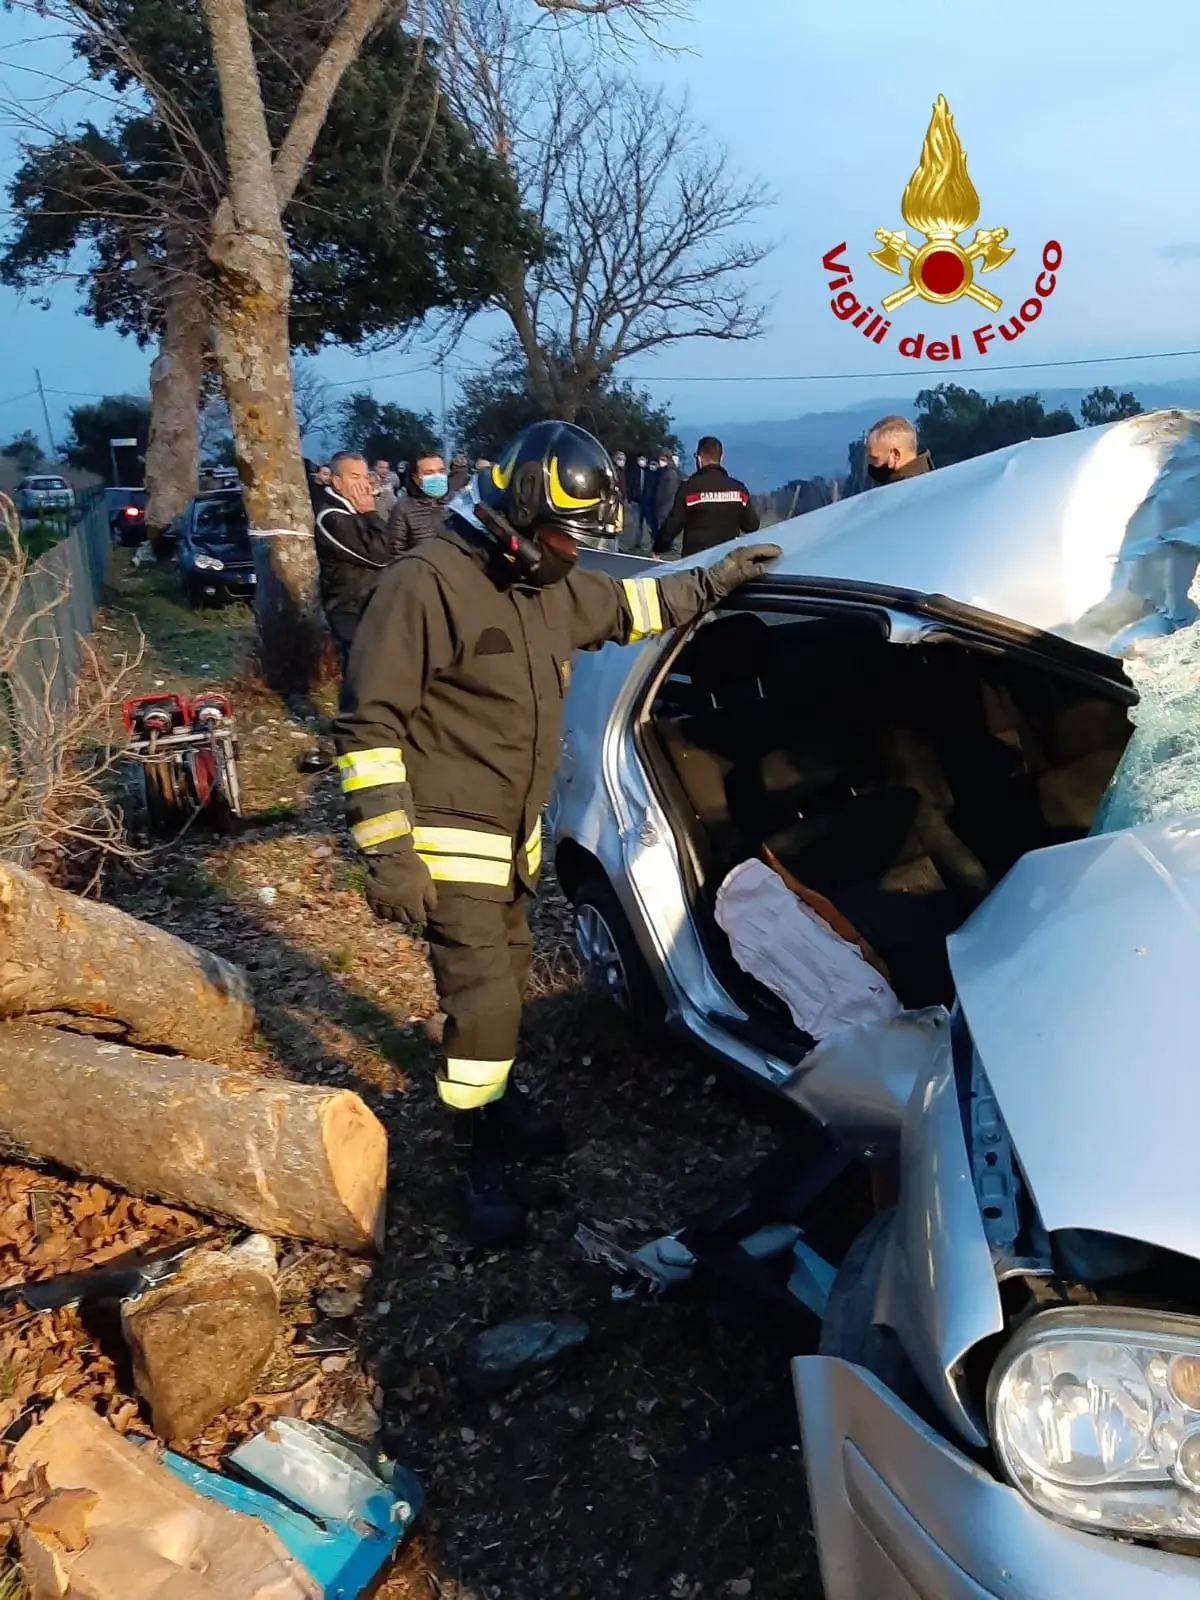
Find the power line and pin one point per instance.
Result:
(13, 398)
(907, 372)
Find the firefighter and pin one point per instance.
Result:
(448, 740)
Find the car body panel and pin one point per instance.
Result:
(1076, 535)
(1078, 979)
(938, 1291)
(900, 1513)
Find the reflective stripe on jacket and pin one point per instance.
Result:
(452, 705)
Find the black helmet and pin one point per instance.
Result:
(555, 475)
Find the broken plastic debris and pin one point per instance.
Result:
(340, 1509)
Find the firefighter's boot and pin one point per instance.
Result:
(525, 1134)
(491, 1215)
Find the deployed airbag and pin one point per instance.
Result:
(825, 982)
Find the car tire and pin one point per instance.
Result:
(848, 1330)
(195, 599)
(609, 952)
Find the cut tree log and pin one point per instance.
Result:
(283, 1158)
(59, 953)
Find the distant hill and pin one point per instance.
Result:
(768, 454)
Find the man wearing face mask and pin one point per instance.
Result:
(448, 741)
(892, 452)
(417, 515)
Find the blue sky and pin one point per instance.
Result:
(1081, 121)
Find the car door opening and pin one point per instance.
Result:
(900, 781)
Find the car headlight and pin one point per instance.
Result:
(1095, 1416)
(209, 563)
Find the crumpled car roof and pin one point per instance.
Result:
(1093, 535)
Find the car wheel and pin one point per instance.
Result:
(611, 959)
(848, 1330)
(195, 599)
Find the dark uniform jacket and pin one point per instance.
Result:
(414, 518)
(710, 508)
(452, 706)
(353, 549)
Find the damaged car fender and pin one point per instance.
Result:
(938, 1291)
(857, 1083)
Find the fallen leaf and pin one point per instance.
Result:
(64, 1517)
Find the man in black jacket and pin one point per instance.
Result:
(417, 514)
(448, 741)
(352, 546)
(710, 508)
(892, 452)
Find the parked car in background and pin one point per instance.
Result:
(126, 515)
(921, 725)
(215, 559)
(43, 492)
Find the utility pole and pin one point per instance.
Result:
(445, 436)
(46, 415)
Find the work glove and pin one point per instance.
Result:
(747, 562)
(399, 888)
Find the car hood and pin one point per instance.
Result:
(1077, 978)
(1088, 535)
(233, 552)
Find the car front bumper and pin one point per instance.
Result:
(228, 585)
(902, 1515)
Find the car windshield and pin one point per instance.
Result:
(115, 498)
(47, 483)
(1159, 775)
(221, 522)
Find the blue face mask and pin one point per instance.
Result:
(436, 485)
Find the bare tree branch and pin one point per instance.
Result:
(294, 153)
(655, 237)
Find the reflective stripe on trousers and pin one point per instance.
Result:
(465, 855)
(480, 952)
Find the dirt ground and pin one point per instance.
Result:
(562, 1488)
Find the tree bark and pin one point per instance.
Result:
(173, 451)
(250, 325)
(253, 287)
(282, 1158)
(253, 292)
(59, 953)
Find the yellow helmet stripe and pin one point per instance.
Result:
(502, 471)
(560, 498)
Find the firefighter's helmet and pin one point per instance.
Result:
(555, 475)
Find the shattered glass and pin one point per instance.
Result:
(1159, 774)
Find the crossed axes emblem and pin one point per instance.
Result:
(986, 248)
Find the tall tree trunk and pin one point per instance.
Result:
(250, 324)
(250, 320)
(173, 453)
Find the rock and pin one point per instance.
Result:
(201, 1342)
(357, 1417)
(339, 1303)
(505, 1354)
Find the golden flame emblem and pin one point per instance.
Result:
(940, 201)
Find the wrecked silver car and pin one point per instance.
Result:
(894, 834)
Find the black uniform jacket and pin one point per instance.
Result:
(353, 548)
(452, 705)
(710, 508)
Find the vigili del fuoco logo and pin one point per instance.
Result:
(940, 203)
